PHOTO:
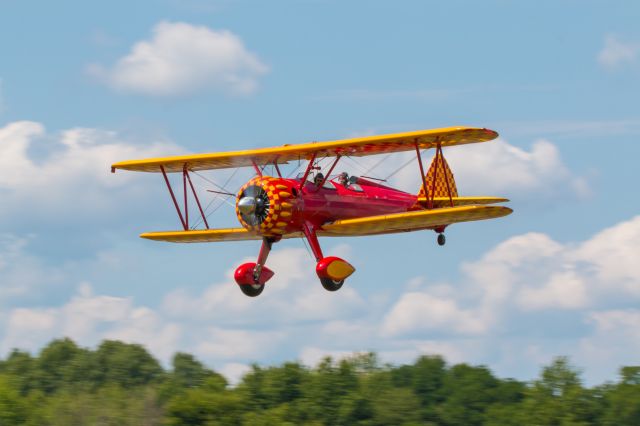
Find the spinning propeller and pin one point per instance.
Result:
(254, 205)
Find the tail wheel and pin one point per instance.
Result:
(252, 290)
(331, 285)
(441, 239)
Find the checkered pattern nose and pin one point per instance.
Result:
(253, 205)
(264, 206)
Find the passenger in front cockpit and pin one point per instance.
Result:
(343, 178)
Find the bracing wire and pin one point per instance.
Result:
(385, 158)
(293, 171)
(355, 163)
(224, 198)
(411, 160)
(216, 185)
(304, 242)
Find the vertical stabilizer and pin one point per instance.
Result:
(443, 178)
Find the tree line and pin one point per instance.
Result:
(122, 384)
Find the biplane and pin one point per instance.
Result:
(316, 204)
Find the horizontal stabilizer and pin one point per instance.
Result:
(461, 201)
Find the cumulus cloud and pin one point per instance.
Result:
(616, 335)
(183, 59)
(499, 167)
(541, 273)
(617, 53)
(219, 343)
(523, 302)
(494, 168)
(421, 311)
(293, 293)
(87, 318)
(21, 273)
(509, 306)
(42, 176)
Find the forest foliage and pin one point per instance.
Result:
(122, 384)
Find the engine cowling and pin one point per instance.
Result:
(265, 205)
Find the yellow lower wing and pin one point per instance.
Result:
(412, 221)
(384, 224)
(202, 236)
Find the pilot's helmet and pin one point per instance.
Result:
(319, 178)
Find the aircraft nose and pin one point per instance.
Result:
(247, 205)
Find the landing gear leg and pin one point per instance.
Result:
(265, 249)
(331, 270)
(441, 238)
(251, 277)
(310, 232)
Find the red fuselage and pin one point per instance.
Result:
(315, 205)
(363, 198)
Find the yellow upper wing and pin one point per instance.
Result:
(412, 221)
(354, 147)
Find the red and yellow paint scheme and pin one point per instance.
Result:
(270, 208)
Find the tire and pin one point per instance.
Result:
(441, 239)
(251, 290)
(331, 285)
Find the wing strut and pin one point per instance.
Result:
(195, 195)
(423, 176)
(309, 167)
(184, 220)
(255, 166)
(333, 166)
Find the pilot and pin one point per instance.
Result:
(318, 179)
(343, 178)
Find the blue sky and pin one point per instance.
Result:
(83, 85)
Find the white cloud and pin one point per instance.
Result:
(509, 307)
(564, 290)
(182, 59)
(423, 312)
(499, 167)
(234, 372)
(495, 168)
(43, 178)
(219, 343)
(539, 273)
(293, 292)
(523, 302)
(611, 256)
(614, 342)
(617, 53)
(88, 319)
(21, 273)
